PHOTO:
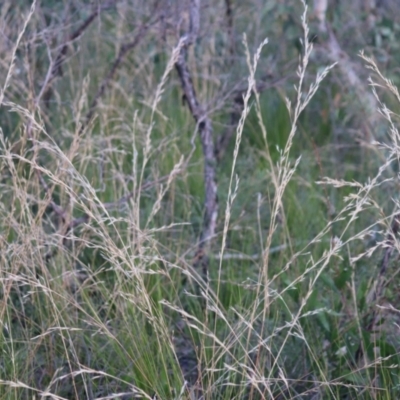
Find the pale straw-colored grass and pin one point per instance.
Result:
(124, 309)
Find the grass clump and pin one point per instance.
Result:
(102, 210)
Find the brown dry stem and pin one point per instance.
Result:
(204, 126)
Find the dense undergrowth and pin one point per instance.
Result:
(102, 202)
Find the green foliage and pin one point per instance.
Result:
(113, 304)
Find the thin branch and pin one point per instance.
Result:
(224, 139)
(55, 68)
(205, 131)
(125, 48)
(53, 71)
(237, 94)
(85, 218)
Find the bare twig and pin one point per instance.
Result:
(83, 219)
(224, 139)
(125, 48)
(55, 68)
(205, 131)
(53, 71)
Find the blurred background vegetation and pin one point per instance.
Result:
(84, 311)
